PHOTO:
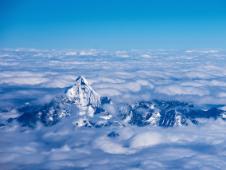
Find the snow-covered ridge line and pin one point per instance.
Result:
(89, 109)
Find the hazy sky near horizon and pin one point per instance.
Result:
(112, 24)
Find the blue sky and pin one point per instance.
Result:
(112, 24)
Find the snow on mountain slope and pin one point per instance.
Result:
(166, 113)
(84, 97)
(79, 101)
(87, 108)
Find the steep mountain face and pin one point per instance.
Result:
(87, 108)
(79, 101)
(84, 97)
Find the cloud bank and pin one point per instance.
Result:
(36, 76)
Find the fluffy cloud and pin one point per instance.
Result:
(146, 139)
(181, 90)
(108, 146)
(126, 76)
(61, 146)
(22, 78)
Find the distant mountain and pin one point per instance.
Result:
(79, 101)
(84, 97)
(166, 113)
(88, 110)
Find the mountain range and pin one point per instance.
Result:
(89, 109)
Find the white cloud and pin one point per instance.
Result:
(91, 52)
(181, 90)
(108, 146)
(146, 139)
(222, 94)
(108, 92)
(22, 78)
(61, 146)
(184, 73)
(197, 76)
(123, 54)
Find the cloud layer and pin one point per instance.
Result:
(61, 146)
(194, 75)
(36, 76)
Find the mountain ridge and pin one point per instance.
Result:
(88, 109)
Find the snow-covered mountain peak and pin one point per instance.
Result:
(81, 80)
(89, 109)
(83, 95)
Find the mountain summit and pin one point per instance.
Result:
(79, 101)
(83, 96)
(87, 108)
